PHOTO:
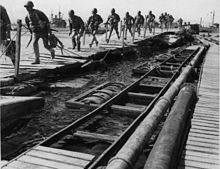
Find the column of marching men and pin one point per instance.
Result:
(39, 26)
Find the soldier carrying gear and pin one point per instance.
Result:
(139, 21)
(6, 44)
(150, 20)
(38, 24)
(128, 22)
(113, 20)
(93, 23)
(77, 25)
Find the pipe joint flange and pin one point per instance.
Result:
(122, 159)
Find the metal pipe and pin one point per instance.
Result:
(165, 152)
(130, 152)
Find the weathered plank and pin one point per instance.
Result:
(46, 162)
(65, 152)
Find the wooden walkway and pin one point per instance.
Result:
(69, 56)
(202, 147)
(50, 158)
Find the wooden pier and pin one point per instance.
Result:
(202, 146)
(69, 57)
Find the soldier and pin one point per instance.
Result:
(94, 21)
(150, 20)
(113, 20)
(166, 16)
(6, 45)
(162, 21)
(139, 21)
(128, 22)
(38, 24)
(180, 22)
(171, 19)
(76, 23)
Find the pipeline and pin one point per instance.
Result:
(130, 152)
(166, 150)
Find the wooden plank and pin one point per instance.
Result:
(204, 124)
(215, 133)
(202, 144)
(24, 165)
(186, 167)
(95, 136)
(58, 158)
(200, 154)
(205, 140)
(203, 115)
(200, 159)
(202, 149)
(127, 110)
(65, 152)
(213, 123)
(206, 136)
(205, 128)
(198, 164)
(47, 163)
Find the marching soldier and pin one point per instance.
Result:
(76, 23)
(113, 20)
(94, 21)
(162, 21)
(128, 22)
(139, 21)
(180, 22)
(38, 24)
(5, 28)
(150, 20)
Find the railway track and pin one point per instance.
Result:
(92, 140)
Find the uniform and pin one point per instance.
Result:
(77, 25)
(93, 23)
(113, 20)
(5, 24)
(139, 21)
(162, 21)
(38, 23)
(6, 45)
(150, 21)
(128, 22)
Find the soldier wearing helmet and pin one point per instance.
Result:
(139, 21)
(128, 22)
(38, 24)
(5, 38)
(77, 25)
(113, 20)
(93, 23)
(150, 20)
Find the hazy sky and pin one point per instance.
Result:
(189, 10)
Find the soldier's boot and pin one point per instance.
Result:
(52, 52)
(37, 53)
(74, 43)
(78, 46)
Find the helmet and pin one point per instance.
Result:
(113, 10)
(94, 10)
(71, 12)
(29, 4)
